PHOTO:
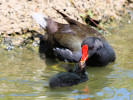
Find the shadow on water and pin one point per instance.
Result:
(24, 74)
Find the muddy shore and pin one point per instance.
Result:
(16, 20)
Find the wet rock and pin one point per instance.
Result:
(17, 41)
(130, 12)
(14, 41)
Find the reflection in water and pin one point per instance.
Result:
(115, 94)
(24, 75)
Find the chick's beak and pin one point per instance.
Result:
(81, 65)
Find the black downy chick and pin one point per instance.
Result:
(69, 78)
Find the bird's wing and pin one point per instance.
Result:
(67, 40)
(84, 27)
(67, 55)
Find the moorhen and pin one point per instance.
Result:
(69, 78)
(74, 42)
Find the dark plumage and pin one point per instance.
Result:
(64, 41)
(69, 78)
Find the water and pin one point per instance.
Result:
(24, 75)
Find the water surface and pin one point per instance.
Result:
(24, 75)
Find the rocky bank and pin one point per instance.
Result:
(15, 15)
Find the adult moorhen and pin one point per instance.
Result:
(74, 42)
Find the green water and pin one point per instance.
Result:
(24, 75)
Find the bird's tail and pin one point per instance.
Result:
(40, 19)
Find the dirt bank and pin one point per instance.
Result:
(15, 15)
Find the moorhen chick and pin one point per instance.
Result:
(69, 78)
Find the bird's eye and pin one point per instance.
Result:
(91, 47)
